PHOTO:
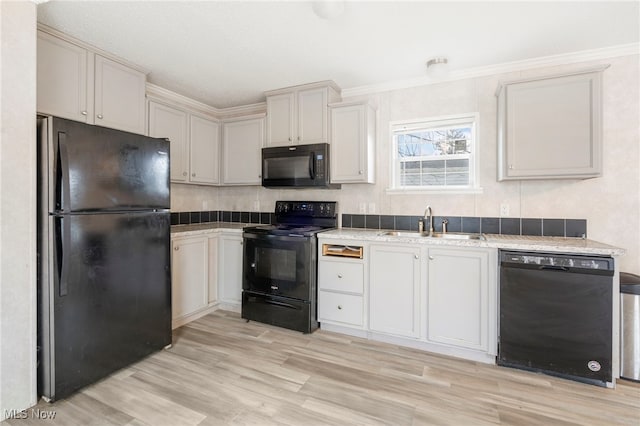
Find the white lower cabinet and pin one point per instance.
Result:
(458, 297)
(230, 268)
(206, 273)
(394, 290)
(189, 276)
(340, 287)
(436, 298)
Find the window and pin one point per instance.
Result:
(435, 154)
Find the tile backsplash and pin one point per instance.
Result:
(487, 225)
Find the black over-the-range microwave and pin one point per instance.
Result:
(297, 166)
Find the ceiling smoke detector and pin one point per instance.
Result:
(437, 67)
(328, 9)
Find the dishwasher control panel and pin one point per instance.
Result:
(558, 260)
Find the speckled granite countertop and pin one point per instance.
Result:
(510, 242)
(203, 228)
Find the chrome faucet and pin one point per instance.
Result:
(428, 216)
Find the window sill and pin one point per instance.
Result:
(418, 191)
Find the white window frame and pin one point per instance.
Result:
(430, 123)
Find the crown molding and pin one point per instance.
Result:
(545, 61)
(92, 49)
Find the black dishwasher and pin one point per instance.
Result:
(556, 315)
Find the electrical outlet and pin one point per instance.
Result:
(504, 210)
(363, 208)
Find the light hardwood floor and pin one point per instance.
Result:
(224, 371)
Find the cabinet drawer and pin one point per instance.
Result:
(337, 307)
(341, 276)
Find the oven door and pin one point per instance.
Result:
(279, 265)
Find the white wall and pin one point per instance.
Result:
(17, 206)
(611, 204)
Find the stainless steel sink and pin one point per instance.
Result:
(448, 235)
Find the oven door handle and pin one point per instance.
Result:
(282, 304)
(250, 236)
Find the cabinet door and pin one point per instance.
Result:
(119, 96)
(213, 269)
(241, 151)
(62, 78)
(281, 119)
(394, 290)
(457, 297)
(312, 116)
(352, 144)
(230, 269)
(171, 123)
(551, 128)
(189, 275)
(204, 152)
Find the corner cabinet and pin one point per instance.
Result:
(299, 115)
(242, 141)
(79, 84)
(194, 141)
(230, 268)
(551, 127)
(353, 135)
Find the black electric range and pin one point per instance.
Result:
(279, 285)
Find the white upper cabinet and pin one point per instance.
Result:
(119, 96)
(299, 115)
(352, 143)
(62, 78)
(171, 123)
(76, 83)
(281, 119)
(204, 150)
(242, 142)
(195, 143)
(551, 128)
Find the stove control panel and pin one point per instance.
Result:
(317, 209)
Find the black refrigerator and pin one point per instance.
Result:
(104, 278)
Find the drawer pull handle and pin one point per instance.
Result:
(339, 275)
(339, 306)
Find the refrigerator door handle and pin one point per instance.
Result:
(64, 232)
(63, 183)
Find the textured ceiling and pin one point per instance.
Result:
(227, 53)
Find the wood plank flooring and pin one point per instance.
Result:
(224, 371)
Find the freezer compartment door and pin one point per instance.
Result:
(110, 296)
(93, 168)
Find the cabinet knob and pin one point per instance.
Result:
(83, 112)
(415, 256)
(259, 176)
(339, 275)
(360, 172)
(100, 116)
(298, 138)
(176, 248)
(289, 139)
(431, 257)
(339, 306)
(193, 175)
(510, 166)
